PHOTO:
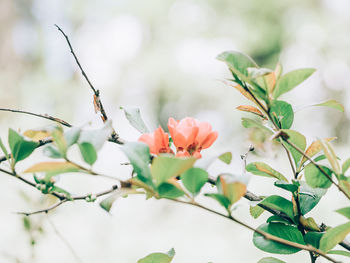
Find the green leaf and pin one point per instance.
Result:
(315, 178)
(223, 200)
(13, 139)
(59, 140)
(237, 62)
(139, 157)
(320, 158)
(167, 190)
(165, 167)
(339, 252)
(282, 114)
(331, 156)
(280, 230)
(226, 157)
(194, 179)
(344, 211)
(249, 123)
(270, 260)
(262, 169)
(52, 152)
(299, 140)
(20, 147)
(158, 257)
(287, 186)
(332, 104)
(334, 236)
(279, 203)
(88, 152)
(313, 238)
(290, 80)
(346, 166)
(256, 211)
(134, 117)
(277, 219)
(309, 197)
(3, 148)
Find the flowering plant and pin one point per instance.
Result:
(189, 136)
(165, 167)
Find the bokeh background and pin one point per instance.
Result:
(159, 55)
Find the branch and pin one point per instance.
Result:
(316, 164)
(96, 92)
(79, 197)
(44, 116)
(251, 196)
(97, 100)
(41, 143)
(264, 234)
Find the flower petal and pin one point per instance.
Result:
(204, 131)
(149, 140)
(209, 140)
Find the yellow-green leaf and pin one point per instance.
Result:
(345, 166)
(250, 109)
(226, 157)
(241, 90)
(233, 190)
(262, 169)
(332, 104)
(158, 257)
(256, 211)
(61, 167)
(331, 156)
(344, 211)
(290, 80)
(314, 149)
(165, 167)
(36, 135)
(334, 236)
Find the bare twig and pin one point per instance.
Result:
(65, 241)
(97, 100)
(77, 61)
(44, 116)
(73, 198)
(46, 210)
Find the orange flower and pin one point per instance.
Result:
(158, 141)
(190, 136)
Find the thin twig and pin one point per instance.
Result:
(97, 100)
(65, 241)
(46, 210)
(44, 116)
(73, 198)
(77, 61)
